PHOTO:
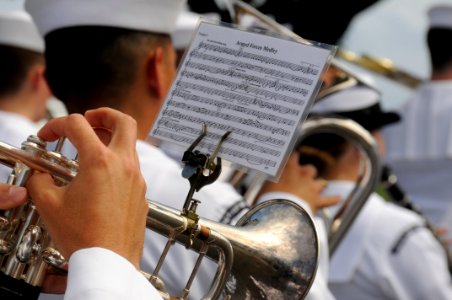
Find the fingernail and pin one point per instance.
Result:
(17, 193)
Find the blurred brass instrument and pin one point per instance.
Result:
(247, 16)
(272, 252)
(381, 66)
(338, 224)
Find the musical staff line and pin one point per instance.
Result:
(260, 58)
(242, 99)
(176, 127)
(251, 67)
(236, 130)
(237, 108)
(249, 88)
(277, 85)
(246, 122)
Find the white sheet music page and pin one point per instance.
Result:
(256, 86)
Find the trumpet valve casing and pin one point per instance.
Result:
(26, 250)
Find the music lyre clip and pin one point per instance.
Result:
(200, 169)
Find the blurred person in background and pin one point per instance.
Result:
(23, 90)
(419, 149)
(388, 252)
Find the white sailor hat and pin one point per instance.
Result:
(144, 15)
(360, 103)
(440, 16)
(18, 30)
(186, 25)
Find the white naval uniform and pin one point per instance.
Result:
(419, 151)
(14, 129)
(97, 273)
(387, 253)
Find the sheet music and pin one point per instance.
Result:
(256, 86)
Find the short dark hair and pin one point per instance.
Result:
(14, 65)
(86, 65)
(440, 46)
(321, 150)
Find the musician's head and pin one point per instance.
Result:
(331, 153)
(361, 103)
(23, 89)
(107, 52)
(438, 35)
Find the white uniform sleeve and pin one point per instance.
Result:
(420, 268)
(97, 273)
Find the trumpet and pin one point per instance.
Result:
(272, 252)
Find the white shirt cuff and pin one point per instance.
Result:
(97, 273)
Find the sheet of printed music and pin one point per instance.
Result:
(256, 86)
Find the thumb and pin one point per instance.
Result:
(326, 201)
(11, 196)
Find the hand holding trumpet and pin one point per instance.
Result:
(91, 210)
(104, 205)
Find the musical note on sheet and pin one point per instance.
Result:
(256, 86)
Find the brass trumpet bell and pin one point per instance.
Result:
(275, 249)
(275, 252)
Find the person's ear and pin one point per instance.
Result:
(38, 83)
(36, 77)
(156, 72)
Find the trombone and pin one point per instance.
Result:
(381, 66)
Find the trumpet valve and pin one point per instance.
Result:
(29, 247)
(54, 258)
